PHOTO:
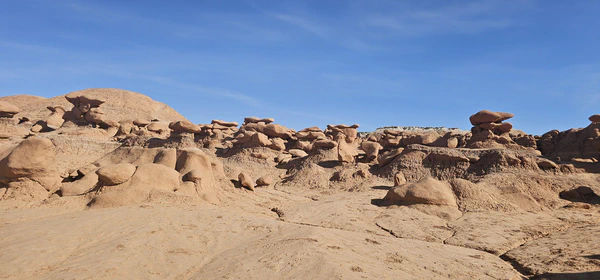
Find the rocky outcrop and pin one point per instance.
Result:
(581, 143)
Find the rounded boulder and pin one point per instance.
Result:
(115, 174)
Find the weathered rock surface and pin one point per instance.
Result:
(115, 174)
(425, 191)
(33, 159)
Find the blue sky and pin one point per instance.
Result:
(305, 63)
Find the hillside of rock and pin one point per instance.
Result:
(107, 183)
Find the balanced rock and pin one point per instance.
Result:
(595, 118)
(486, 116)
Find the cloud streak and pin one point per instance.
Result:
(466, 17)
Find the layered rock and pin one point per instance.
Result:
(489, 130)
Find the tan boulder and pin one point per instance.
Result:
(183, 127)
(283, 157)
(115, 174)
(276, 130)
(224, 123)
(371, 149)
(141, 122)
(81, 186)
(246, 181)
(425, 191)
(36, 128)
(399, 179)
(451, 142)
(34, 158)
(277, 144)
(157, 127)
(546, 164)
(56, 118)
(264, 181)
(260, 140)
(297, 153)
(8, 110)
(486, 116)
(258, 120)
(125, 128)
(324, 144)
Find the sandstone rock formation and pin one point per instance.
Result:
(8, 110)
(485, 200)
(246, 181)
(489, 130)
(115, 174)
(34, 159)
(425, 191)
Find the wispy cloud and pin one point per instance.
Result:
(29, 47)
(334, 33)
(303, 24)
(465, 17)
